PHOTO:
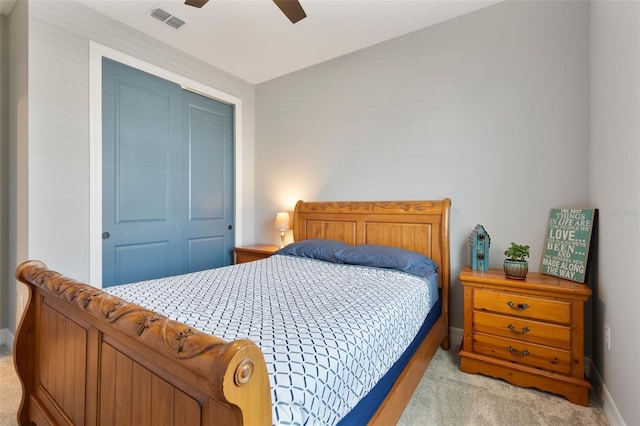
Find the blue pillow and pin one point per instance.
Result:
(314, 249)
(387, 257)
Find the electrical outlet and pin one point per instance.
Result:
(607, 337)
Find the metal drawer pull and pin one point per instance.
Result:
(513, 329)
(518, 307)
(516, 353)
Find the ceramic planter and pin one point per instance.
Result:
(516, 269)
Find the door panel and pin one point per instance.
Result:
(204, 252)
(207, 179)
(141, 175)
(209, 132)
(167, 178)
(137, 262)
(141, 158)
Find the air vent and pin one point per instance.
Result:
(174, 22)
(160, 14)
(167, 18)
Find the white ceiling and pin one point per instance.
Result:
(253, 40)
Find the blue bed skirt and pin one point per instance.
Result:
(367, 407)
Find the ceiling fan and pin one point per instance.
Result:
(291, 8)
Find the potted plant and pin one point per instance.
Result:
(516, 265)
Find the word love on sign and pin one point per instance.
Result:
(566, 248)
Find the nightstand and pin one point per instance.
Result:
(254, 252)
(528, 332)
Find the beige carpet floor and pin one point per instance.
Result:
(445, 396)
(10, 389)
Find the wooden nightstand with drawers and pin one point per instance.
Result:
(254, 252)
(527, 332)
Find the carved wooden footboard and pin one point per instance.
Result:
(87, 357)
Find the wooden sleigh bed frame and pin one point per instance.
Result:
(86, 357)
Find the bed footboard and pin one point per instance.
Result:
(86, 357)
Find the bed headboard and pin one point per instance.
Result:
(421, 226)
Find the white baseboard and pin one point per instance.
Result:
(10, 339)
(455, 336)
(6, 338)
(608, 405)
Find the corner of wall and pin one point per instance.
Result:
(608, 404)
(4, 178)
(16, 213)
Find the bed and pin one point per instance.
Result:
(85, 356)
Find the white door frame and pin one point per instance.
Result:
(96, 53)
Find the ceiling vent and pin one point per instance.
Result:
(167, 18)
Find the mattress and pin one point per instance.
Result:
(329, 332)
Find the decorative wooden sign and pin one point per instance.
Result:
(566, 248)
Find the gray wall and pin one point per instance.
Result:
(18, 29)
(490, 109)
(4, 152)
(615, 190)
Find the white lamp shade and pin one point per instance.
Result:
(282, 221)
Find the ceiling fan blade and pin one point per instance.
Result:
(292, 9)
(196, 3)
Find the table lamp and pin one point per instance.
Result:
(282, 223)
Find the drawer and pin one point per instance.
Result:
(524, 353)
(249, 257)
(254, 252)
(558, 336)
(522, 306)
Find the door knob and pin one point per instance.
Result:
(105, 235)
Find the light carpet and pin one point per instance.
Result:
(10, 389)
(445, 396)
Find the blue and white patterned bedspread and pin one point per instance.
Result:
(328, 332)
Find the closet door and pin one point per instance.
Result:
(154, 189)
(208, 229)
